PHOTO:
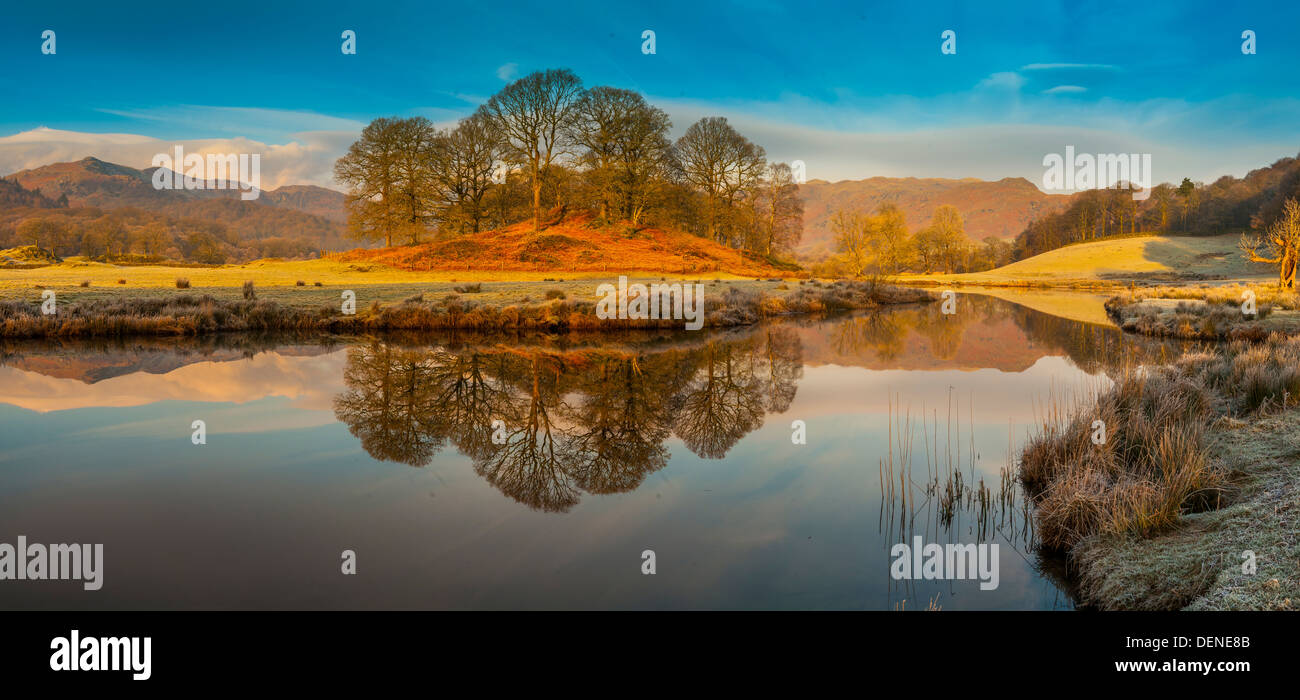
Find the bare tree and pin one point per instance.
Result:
(723, 166)
(369, 170)
(463, 162)
(852, 231)
(534, 115)
(627, 149)
(781, 210)
(1280, 246)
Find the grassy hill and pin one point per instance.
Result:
(575, 245)
(27, 255)
(1146, 258)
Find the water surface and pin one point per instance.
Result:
(605, 447)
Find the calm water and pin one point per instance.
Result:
(610, 446)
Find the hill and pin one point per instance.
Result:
(27, 256)
(310, 199)
(1227, 205)
(1134, 258)
(1002, 208)
(574, 245)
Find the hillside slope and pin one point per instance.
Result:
(573, 245)
(1151, 257)
(1000, 208)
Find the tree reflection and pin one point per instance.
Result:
(388, 404)
(590, 421)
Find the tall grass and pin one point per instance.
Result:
(1150, 468)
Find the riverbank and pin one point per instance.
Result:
(1231, 312)
(481, 306)
(1193, 465)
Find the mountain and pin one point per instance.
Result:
(1001, 208)
(291, 221)
(91, 182)
(319, 201)
(13, 194)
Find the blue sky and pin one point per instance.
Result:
(853, 89)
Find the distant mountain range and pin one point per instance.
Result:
(1000, 208)
(91, 182)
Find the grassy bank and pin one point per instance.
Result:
(1198, 465)
(468, 306)
(1206, 313)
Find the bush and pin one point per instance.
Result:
(555, 294)
(249, 293)
(182, 283)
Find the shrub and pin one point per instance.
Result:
(249, 293)
(182, 283)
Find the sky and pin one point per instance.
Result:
(853, 90)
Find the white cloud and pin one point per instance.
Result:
(1007, 80)
(1065, 89)
(508, 71)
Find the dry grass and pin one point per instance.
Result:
(1149, 469)
(576, 245)
(1201, 313)
(1193, 456)
(1198, 565)
(189, 314)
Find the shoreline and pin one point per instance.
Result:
(465, 307)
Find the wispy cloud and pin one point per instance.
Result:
(508, 71)
(1070, 66)
(1065, 89)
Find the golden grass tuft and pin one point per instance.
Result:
(1149, 469)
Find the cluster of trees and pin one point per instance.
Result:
(137, 235)
(1255, 202)
(546, 145)
(880, 242)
